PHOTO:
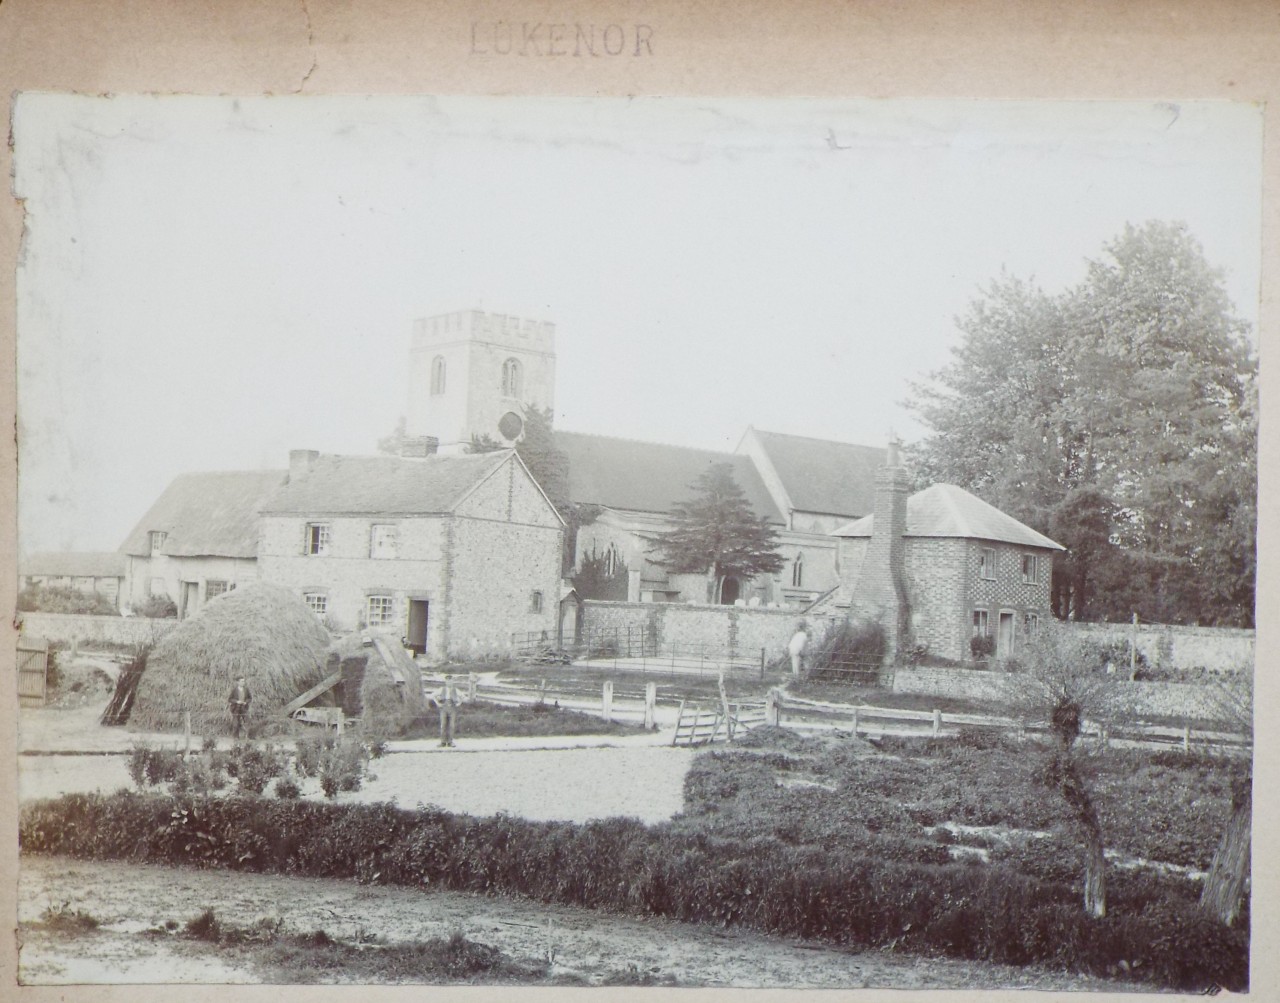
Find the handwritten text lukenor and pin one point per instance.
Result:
(530, 38)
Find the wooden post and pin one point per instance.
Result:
(724, 703)
(1103, 736)
(679, 721)
(341, 722)
(762, 663)
(471, 686)
(186, 733)
(937, 721)
(650, 701)
(542, 691)
(855, 722)
(1133, 649)
(772, 712)
(607, 701)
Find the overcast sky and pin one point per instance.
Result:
(210, 282)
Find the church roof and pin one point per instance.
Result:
(383, 485)
(836, 478)
(207, 515)
(650, 476)
(81, 564)
(948, 510)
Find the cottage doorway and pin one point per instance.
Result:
(416, 636)
(730, 591)
(190, 599)
(1004, 637)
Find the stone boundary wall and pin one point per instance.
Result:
(739, 631)
(1178, 700)
(73, 627)
(1219, 649)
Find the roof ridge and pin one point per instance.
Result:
(814, 438)
(649, 442)
(950, 501)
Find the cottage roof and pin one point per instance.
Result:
(948, 510)
(206, 515)
(82, 564)
(836, 478)
(383, 485)
(650, 476)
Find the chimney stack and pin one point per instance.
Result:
(418, 447)
(880, 593)
(301, 461)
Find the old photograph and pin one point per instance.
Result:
(671, 542)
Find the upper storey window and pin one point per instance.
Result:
(437, 376)
(511, 378)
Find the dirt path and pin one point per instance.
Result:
(129, 899)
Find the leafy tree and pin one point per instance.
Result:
(594, 581)
(483, 442)
(548, 463)
(390, 444)
(716, 533)
(1138, 385)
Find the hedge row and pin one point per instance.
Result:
(983, 913)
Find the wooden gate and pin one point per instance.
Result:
(33, 668)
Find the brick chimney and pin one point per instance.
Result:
(417, 447)
(879, 593)
(301, 460)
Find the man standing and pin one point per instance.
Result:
(239, 703)
(796, 648)
(447, 699)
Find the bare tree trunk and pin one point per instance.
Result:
(1224, 887)
(1077, 796)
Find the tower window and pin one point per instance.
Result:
(437, 376)
(511, 381)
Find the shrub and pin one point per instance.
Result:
(849, 646)
(44, 599)
(287, 789)
(150, 766)
(157, 608)
(844, 897)
(982, 647)
(255, 765)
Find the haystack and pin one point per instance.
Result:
(262, 632)
(381, 684)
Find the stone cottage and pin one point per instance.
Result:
(454, 554)
(199, 539)
(940, 567)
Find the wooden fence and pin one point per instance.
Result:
(33, 671)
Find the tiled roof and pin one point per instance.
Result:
(207, 515)
(650, 476)
(97, 564)
(947, 510)
(838, 478)
(383, 485)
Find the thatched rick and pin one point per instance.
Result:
(262, 632)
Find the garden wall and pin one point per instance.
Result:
(737, 631)
(1137, 699)
(1220, 649)
(71, 627)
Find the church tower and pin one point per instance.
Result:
(473, 373)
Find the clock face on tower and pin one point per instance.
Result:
(510, 425)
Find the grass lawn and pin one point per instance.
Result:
(875, 696)
(482, 719)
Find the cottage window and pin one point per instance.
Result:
(317, 544)
(797, 571)
(317, 602)
(511, 378)
(981, 623)
(379, 610)
(1030, 623)
(157, 540)
(382, 542)
(535, 603)
(1030, 569)
(213, 589)
(987, 563)
(437, 376)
